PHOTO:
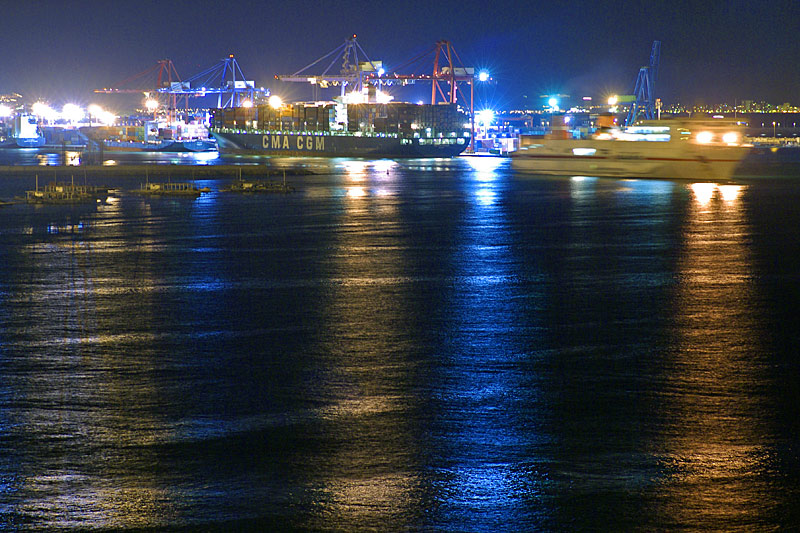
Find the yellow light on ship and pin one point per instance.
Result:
(730, 138)
(275, 101)
(247, 103)
(151, 104)
(704, 137)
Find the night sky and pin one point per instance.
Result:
(711, 51)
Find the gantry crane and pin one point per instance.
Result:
(352, 72)
(644, 104)
(165, 77)
(225, 79)
(446, 76)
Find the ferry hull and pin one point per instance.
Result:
(325, 145)
(612, 158)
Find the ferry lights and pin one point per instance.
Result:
(730, 138)
(704, 137)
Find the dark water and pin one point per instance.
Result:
(421, 345)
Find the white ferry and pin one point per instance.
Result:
(689, 149)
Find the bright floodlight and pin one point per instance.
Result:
(151, 104)
(382, 97)
(72, 112)
(612, 100)
(5, 111)
(485, 117)
(44, 111)
(730, 137)
(553, 102)
(41, 109)
(94, 110)
(107, 117)
(704, 137)
(483, 76)
(381, 72)
(247, 103)
(275, 101)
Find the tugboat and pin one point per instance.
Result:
(26, 133)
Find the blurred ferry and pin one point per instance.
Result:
(694, 149)
(339, 129)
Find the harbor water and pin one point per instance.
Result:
(418, 345)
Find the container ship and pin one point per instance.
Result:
(339, 129)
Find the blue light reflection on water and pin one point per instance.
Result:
(484, 397)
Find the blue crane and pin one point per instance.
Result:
(644, 105)
(225, 79)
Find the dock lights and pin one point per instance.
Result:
(553, 103)
(247, 103)
(72, 113)
(275, 101)
(44, 111)
(485, 117)
(5, 111)
(483, 76)
(151, 104)
(106, 118)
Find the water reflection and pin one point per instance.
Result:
(486, 481)
(369, 478)
(86, 414)
(715, 436)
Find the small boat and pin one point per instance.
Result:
(57, 192)
(688, 149)
(170, 189)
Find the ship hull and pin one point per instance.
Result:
(26, 142)
(163, 146)
(326, 145)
